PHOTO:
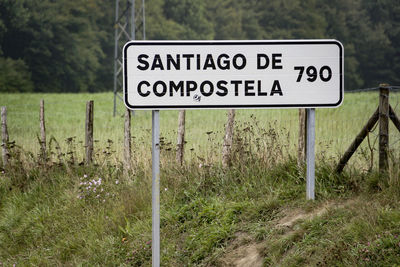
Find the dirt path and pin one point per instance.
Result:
(245, 252)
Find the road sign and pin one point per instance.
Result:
(233, 74)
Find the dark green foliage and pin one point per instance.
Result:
(14, 76)
(191, 15)
(60, 41)
(67, 46)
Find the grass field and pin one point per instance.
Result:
(65, 117)
(67, 214)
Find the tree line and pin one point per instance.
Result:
(68, 45)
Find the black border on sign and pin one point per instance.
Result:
(207, 43)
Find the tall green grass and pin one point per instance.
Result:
(50, 215)
(64, 213)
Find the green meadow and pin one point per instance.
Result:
(65, 119)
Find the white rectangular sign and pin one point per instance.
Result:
(233, 74)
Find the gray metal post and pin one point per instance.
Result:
(156, 188)
(133, 29)
(310, 150)
(115, 55)
(125, 28)
(144, 21)
(133, 20)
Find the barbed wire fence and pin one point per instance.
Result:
(335, 128)
(367, 156)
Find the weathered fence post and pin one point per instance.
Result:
(4, 137)
(394, 118)
(383, 127)
(357, 141)
(127, 140)
(301, 152)
(180, 144)
(228, 139)
(43, 153)
(89, 132)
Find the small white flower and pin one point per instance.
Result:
(116, 182)
(84, 176)
(165, 189)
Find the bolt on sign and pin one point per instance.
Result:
(233, 74)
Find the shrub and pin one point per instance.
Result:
(14, 76)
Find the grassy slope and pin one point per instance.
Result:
(43, 221)
(49, 217)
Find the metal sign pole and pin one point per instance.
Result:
(310, 151)
(155, 191)
(133, 27)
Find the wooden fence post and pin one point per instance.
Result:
(43, 153)
(228, 139)
(394, 118)
(301, 152)
(180, 144)
(383, 127)
(89, 132)
(357, 141)
(4, 137)
(127, 141)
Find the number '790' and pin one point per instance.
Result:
(324, 73)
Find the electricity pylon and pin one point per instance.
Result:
(129, 23)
